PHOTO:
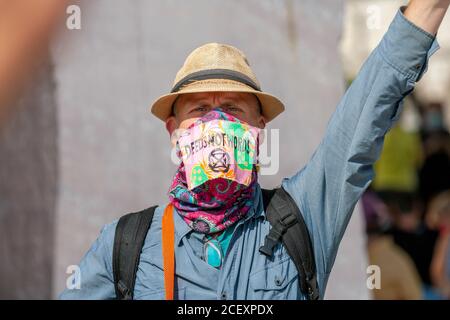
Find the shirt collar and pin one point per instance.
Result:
(182, 229)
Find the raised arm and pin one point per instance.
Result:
(427, 14)
(328, 187)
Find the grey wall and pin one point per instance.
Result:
(113, 156)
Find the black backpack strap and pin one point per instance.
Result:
(129, 239)
(288, 225)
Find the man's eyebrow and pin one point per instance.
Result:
(231, 98)
(234, 99)
(191, 102)
(197, 101)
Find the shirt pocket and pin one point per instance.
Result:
(276, 281)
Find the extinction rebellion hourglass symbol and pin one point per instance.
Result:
(219, 160)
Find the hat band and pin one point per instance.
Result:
(215, 74)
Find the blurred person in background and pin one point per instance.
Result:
(433, 126)
(434, 181)
(396, 182)
(25, 30)
(399, 277)
(401, 158)
(408, 183)
(434, 176)
(410, 233)
(438, 216)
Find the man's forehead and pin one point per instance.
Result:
(209, 95)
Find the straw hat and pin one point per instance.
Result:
(216, 67)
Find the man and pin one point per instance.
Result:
(219, 224)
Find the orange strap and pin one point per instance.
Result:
(168, 239)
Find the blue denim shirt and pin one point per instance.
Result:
(326, 191)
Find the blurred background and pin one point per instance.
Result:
(79, 147)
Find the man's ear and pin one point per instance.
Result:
(262, 122)
(171, 125)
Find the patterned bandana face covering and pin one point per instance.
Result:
(214, 184)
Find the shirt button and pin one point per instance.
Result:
(223, 296)
(278, 281)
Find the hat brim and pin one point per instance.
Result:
(271, 105)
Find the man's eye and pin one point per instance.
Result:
(200, 108)
(232, 108)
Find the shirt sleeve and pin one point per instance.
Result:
(96, 281)
(328, 187)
